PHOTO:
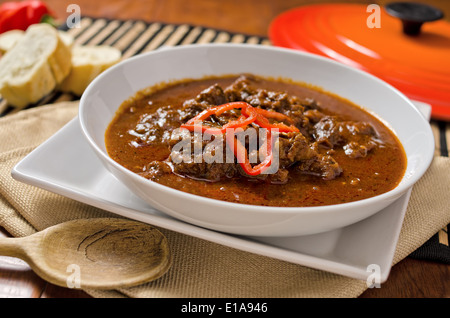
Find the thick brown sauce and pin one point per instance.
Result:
(362, 178)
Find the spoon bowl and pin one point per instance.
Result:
(99, 253)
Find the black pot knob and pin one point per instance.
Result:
(413, 15)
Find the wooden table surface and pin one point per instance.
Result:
(409, 278)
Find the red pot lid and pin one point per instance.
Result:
(419, 66)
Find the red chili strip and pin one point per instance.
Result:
(242, 121)
(241, 154)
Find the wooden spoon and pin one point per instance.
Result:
(98, 253)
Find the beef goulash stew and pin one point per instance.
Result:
(312, 148)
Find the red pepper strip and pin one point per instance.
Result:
(218, 110)
(241, 154)
(264, 123)
(243, 120)
(229, 106)
(191, 124)
(275, 115)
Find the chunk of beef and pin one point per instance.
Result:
(155, 127)
(294, 149)
(211, 96)
(156, 169)
(323, 166)
(197, 158)
(240, 89)
(206, 171)
(313, 115)
(356, 138)
(357, 149)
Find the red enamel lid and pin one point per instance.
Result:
(417, 65)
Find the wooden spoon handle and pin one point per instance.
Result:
(13, 247)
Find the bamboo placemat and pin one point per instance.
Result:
(134, 37)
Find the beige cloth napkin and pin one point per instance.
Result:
(200, 268)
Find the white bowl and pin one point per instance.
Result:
(105, 94)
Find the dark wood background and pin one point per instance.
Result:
(409, 278)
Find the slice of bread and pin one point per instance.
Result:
(87, 63)
(35, 66)
(9, 38)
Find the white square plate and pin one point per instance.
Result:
(76, 173)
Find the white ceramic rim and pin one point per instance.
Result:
(396, 192)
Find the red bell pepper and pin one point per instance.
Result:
(20, 15)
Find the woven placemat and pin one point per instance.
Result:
(135, 37)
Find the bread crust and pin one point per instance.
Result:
(34, 67)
